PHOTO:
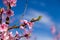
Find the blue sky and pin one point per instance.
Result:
(49, 9)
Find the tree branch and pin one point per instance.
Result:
(13, 27)
(24, 25)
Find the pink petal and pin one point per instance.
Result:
(17, 32)
(21, 27)
(24, 21)
(3, 27)
(53, 29)
(12, 2)
(9, 13)
(30, 24)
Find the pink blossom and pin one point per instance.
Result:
(27, 34)
(3, 27)
(17, 35)
(11, 2)
(9, 13)
(21, 27)
(11, 36)
(17, 32)
(53, 29)
(6, 37)
(24, 21)
(1, 35)
(30, 24)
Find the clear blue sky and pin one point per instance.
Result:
(50, 9)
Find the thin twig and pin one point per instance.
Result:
(25, 8)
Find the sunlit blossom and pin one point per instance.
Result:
(30, 24)
(12, 3)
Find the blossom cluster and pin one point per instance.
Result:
(6, 35)
(11, 3)
(25, 25)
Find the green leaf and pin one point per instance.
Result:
(36, 19)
